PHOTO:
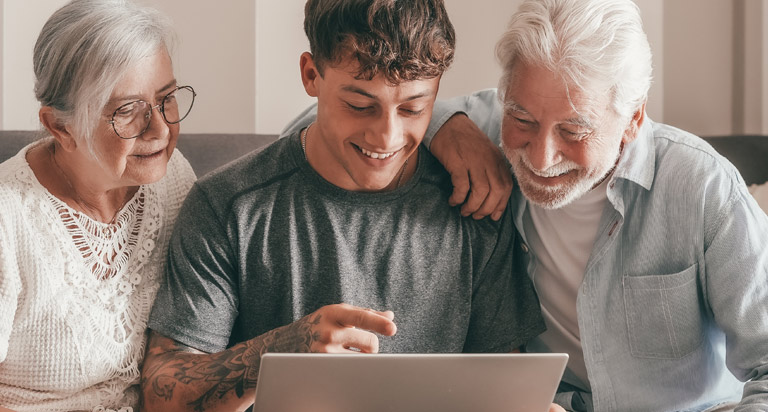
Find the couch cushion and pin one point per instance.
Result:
(206, 152)
(748, 153)
(11, 141)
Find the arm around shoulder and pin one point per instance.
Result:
(466, 135)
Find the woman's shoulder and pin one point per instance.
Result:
(14, 164)
(20, 192)
(16, 177)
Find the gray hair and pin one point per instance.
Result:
(83, 51)
(583, 41)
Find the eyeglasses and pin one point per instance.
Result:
(132, 119)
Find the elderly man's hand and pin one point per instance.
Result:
(556, 408)
(480, 174)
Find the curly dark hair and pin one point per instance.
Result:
(402, 40)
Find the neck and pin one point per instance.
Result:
(306, 141)
(75, 189)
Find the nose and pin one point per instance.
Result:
(544, 150)
(157, 128)
(386, 133)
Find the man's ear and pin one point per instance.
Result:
(309, 73)
(58, 129)
(633, 129)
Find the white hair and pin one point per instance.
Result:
(584, 42)
(83, 51)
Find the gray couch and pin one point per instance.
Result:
(208, 151)
(205, 152)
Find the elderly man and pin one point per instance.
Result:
(647, 251)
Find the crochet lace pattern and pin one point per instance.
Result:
(75, 293)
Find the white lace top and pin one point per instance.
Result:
(75, 294)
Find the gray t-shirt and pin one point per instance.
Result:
(266, 240)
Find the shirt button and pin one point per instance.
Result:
(524, 247)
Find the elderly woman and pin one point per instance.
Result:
(85, 213)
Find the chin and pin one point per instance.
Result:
(553, 197)
(153, 176)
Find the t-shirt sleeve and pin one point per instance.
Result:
(505, 309)
(197, 302)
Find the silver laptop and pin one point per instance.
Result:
(408, 382)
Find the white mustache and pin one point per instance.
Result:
(555, 170)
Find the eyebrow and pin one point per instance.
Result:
(576, 121)
(167, 86)
(580, 121)
(354, 89)
(510, 105)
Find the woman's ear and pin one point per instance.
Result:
(58, 129)
(632, 130)
(309, 73)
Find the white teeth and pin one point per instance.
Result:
(375, 155)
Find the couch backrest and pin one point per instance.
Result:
(205, 152)
(748, 153)
(208, 151)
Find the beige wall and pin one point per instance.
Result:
(280, 38)
(752, 75)
(215, 54)
(2, 58)
(764, 49)
(242, 58)
(20, 27)
(478, 25)
(699, 65)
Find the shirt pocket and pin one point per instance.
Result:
(664, 319)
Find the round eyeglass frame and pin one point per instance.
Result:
(160, 107)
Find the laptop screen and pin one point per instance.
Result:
(408, 382)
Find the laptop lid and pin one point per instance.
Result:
(408, 382)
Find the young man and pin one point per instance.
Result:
(338, 238)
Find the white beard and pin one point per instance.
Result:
(556, 196)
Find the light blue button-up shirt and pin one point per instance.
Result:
(673, 309)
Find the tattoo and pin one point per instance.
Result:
(215, 375)
(297, 337)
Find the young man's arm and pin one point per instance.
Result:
(177, 377)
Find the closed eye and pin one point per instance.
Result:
(413, 112)
(358, 108)
(574, 135)
(523, 123)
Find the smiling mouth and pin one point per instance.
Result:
(375, 155)
(549, 175)
(150, 154)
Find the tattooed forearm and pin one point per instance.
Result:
(187, 379)
(297, 337)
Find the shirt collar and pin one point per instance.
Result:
(638, 160)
